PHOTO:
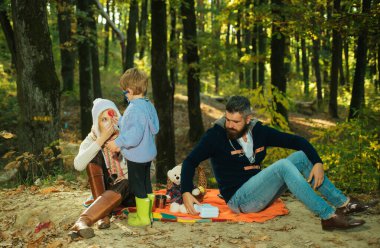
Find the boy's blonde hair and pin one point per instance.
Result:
(136, 80)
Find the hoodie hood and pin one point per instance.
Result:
(99, 105)
(152, 119)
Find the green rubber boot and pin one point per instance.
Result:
(142, 215)
(151, 197)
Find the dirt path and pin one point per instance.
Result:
(22, 210)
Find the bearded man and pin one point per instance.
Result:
(237, 144)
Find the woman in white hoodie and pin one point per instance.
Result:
(107, 171)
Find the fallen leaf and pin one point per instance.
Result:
(55, 244)
(12, 165)
(8, 154)
(6, 135)
(41, 226)
(35, 243)
(49, 190)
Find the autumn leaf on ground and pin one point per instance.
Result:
(6, 135)
(41, 226)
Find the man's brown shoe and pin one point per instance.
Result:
(353, 206)
(339, 221)
(104, 223)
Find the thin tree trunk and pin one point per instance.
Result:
(216, 36)
(131, 34)
(357, 98)
(342, 80)
(173, 46)
(247, 43)
(85, 67)
(8, 33)
(107, 34)
(201, 18)
(65, 9)
(277, 56)
(113, 11)
(115, 31)
(37, 81)
(142, 27)
(163, 91)
(239, 48)
(94, 53)
(305, 67)
(228, 35)
(317, 70)
(297, 39)
(335, 61)
(262, 52)
(193, 70)
(347, 65)
(255, 69)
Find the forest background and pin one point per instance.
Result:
(309, 67)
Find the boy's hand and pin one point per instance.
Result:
(112, 146)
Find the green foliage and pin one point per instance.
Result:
(351, 153)
(263, 104)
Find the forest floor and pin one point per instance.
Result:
(40, 216)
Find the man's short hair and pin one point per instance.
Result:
(136, 80)
(239, 104)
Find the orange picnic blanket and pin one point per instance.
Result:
(225, 214)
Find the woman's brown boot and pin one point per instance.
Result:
(101, 207)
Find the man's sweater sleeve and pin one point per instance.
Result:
(276, 138)
(202, 151)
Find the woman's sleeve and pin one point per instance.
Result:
(87, 151)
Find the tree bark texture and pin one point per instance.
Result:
(142, 27)
(131, 34)
(305, 67)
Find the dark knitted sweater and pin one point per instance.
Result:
(233, 169)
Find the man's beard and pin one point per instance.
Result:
(235, 134)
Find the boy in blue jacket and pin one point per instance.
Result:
(138, 127)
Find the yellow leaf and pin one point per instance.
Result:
(6, 135)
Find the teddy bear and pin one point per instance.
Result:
(173, 192)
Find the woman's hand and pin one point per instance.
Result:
(318, 174)
(105, 135)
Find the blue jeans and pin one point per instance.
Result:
(290, 173)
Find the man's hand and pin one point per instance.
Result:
(112, 146)
(188, 201)
(318, 174)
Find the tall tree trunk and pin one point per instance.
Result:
(342, 80)
(255, 54)
(113, 11)
(357, 98)
(335, 61)
(65, 9)
(94, 52)
(142, 27)
(346, 58)
(262, 52)
(317, 70)
(37, 81)
(173, 46)
(107, 34)
(326, 44)
(278, 55)
(377, 87)
(239, 48)
(201, 17)
(305, 67)
(193, 70)
(216, 37)
(131, 34)
(228, 34)
(297, 39)
(247, 42)
(163, 91)
(8, 33)
(85, 66)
